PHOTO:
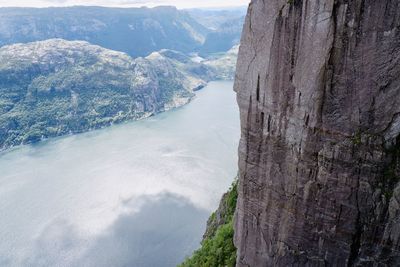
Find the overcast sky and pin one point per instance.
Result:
(124, 3)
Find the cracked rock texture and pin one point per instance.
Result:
(318, 85)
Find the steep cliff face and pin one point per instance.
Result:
(318, 85)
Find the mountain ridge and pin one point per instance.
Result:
(55, 87)
(136, 31)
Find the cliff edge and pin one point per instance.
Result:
(318, 85)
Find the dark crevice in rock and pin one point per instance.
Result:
(258, 88)
(269, 123)
(262, 120)
(307, 119)
(391, 173)
(356, 240)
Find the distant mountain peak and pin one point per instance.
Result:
(135, 31)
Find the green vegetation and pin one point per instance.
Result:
(356, 139)
(57, 87)
(217, 249)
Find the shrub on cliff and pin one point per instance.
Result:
(217, 247)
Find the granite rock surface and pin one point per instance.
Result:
(318, 85)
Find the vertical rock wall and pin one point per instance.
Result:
(318, 85)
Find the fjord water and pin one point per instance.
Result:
(135, 194)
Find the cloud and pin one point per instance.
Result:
(124, 3)
(134, 2)
(56, 1)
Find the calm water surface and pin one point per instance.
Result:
(136, 194)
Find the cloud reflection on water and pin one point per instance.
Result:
(83, 200)
(156, 235)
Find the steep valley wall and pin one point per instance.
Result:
(318, 85)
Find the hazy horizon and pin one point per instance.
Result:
(125, 3)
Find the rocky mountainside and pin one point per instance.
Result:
(226, 28)
(194, 75)
(55, 87)
(135, 31)
(214, 18)
(224, 64)
(319, 93)
(225, 37)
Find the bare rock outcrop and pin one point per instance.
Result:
(318, 85)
